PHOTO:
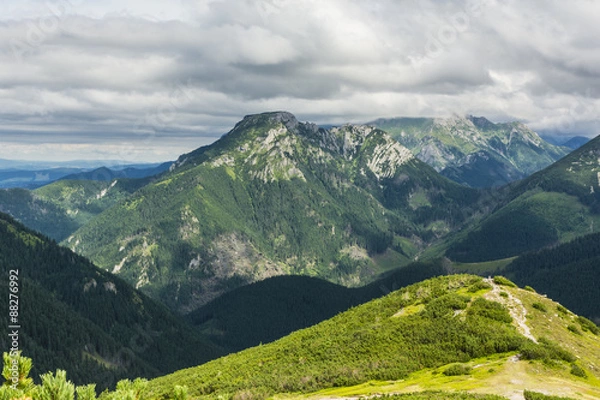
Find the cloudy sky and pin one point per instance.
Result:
(146, 80)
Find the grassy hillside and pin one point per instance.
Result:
(79, 318)
(552, 206)
(275, 197)
(474, 151)
(268, 310)
(450, 333)
(37, 213)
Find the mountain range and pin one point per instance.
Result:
(286, 228)
(107, 174)
(473, 150)
(117, 332)
(278, 197)
(275, 197)
(29, 177)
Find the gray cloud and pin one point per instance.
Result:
(113, 73)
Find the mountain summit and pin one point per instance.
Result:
(275, 196)
(275, 137)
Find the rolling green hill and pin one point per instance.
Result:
(551, 206)
(60, 208)
(79, 318)
(455, 333)
(275, 197)
(472, 150)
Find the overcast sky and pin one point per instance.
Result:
(146, 80)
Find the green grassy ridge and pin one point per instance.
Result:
(79, 318)
(454, 313)
(262, 312)
(365, 343)
(330, 223)
(439, 395)
(57, 386)
(566, 272)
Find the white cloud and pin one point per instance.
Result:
(116, 69)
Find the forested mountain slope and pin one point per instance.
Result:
(60, 208)
(551, 206)
(568, 273)
(268, 310)
(77, 317)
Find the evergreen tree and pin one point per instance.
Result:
(17, 366)
(87, 392)
(56, 387)
(180, 392)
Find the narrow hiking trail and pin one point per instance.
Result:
(515, 307)
(511, 375)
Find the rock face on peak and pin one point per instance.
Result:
(285, 118)
(275, 196)
(270, 145)
(386, 155)
(473, 150)
(481, 122)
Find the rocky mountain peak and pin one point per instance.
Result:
(481, 122)
(274, 117)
